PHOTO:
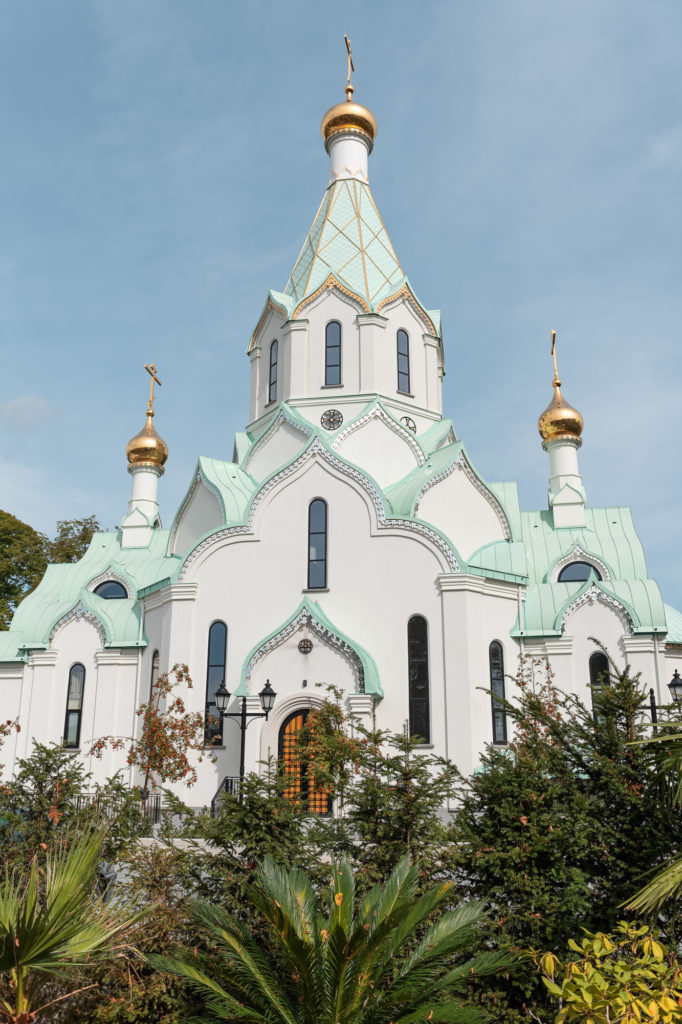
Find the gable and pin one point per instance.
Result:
(277, 447)
(463, 509)
(380, 448)
(201, 514)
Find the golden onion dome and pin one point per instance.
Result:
(349, 117)
(147, 448)
(559, 418)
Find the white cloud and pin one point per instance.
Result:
(25, 412)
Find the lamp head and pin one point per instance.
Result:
(222, 696)
(675, 687)
(267, 698)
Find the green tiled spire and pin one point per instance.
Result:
(348, 239)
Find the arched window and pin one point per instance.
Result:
(317, 545)
(403, 362)
(577, 572)
(332, 353)
(600, 675)
(418, 673)
(74, 706)
(215, 673)
(496, 657)
(298, 772)
(154, 674)
(111, 590)
(272, 379)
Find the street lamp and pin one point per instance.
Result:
(267, 699)
(675, 687)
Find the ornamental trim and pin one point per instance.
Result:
(461, 464)
(326, 637)
(199, 478)
(592, 594)
(580, 555)
(76, 614)
(406, 292)
(314, 449)
(282, 417)
(112, 574)
(330, 284)
(399, 429)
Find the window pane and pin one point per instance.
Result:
(418, 676)
(71, 731)
(318, 517)
(217, 638)
(419, 719)
(318, 547)
(317, 573)
(497, 686)
(333, 333)
(111, 590)
(333, 375)
(403, 343)
(577, 572)
(599, 670)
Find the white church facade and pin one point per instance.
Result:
(349, 540)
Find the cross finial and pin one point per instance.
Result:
(556, 382)
(351, 67)
(151, 370)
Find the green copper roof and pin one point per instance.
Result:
(233, 485)
(546, 603)
(348, 239)
(674, 621)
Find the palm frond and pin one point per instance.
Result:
(664, 886)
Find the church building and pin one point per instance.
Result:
(348, 540)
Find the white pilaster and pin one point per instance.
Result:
(566, 495)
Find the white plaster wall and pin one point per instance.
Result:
(593, 619)
(201, 514)
(379, 450)
(464, 515)
(14, 690)
(277, 448)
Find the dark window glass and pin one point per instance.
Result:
(497, 686)
(74, 706)
(215, 674)
(600, 675)
(111, 590)
(418, 668)
(298, 771)
(577, 572)
(317, 545)
(272, 380)
(154, 675)
(332, 353)
(403, 362)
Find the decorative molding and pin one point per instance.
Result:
(399, 429)
(282, 417)
(76, 614)
(113, 574)
(270, 306)
(175, 592)
(592, 594)
(406, 292)
(460, 582)
(120, 657)
(331, 284)
(317, 449)
(37, 659)
(461, 464)
(579, 555)
(199, 478)
(324, 635)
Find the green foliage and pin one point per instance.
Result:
(380, 961)
(627, 977)
(72, 539)
(23, 560)
(556, 830)
(52, 920)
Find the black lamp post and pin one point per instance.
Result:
(267, 699)
(675, 687)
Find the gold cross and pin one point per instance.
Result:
(351, 66)
(151, 370)
(556, 382)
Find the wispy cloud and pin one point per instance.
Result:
(25, 412)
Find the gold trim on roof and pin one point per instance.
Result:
(407, 291)
(329, 284)
(269, 305)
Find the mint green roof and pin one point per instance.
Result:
(347, 239)
(545, 604)
(609, 534)
(674, 621)
(234, 486)
(313, 609)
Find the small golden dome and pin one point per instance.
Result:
(349, 117)
(559, 418)
(147, 448)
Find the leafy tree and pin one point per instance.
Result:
(348, 966)
(72, 539)
(23, 560)
(555, 830)
(52, 921)
(627, 977)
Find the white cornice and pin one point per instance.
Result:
(479, 585)
(123, 657)
(175, 592)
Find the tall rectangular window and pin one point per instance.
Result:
(74, 706)
(496, 656)
(403, 362)
(332, 353)
(418, 668)
(317, 545)
(215, 674)
(272, 380)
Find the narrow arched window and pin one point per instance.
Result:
(403, 362)
(600, 675)
(577, 572)
(317, 545)
(332, 353)
(154, 675)
(215, 674)
(74, 706)
(298, 772)
(496, 657)
(418, 674)
(272, 379)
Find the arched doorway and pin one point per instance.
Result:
(296, 766)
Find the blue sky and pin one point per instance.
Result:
(161, 164)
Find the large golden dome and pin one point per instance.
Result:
(349, 117)
(147, 448)
(559, 418)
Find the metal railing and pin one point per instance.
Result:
(150, 808)
(230, 787)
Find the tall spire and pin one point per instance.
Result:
(146, 454)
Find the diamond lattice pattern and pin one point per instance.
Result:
(347, 239)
